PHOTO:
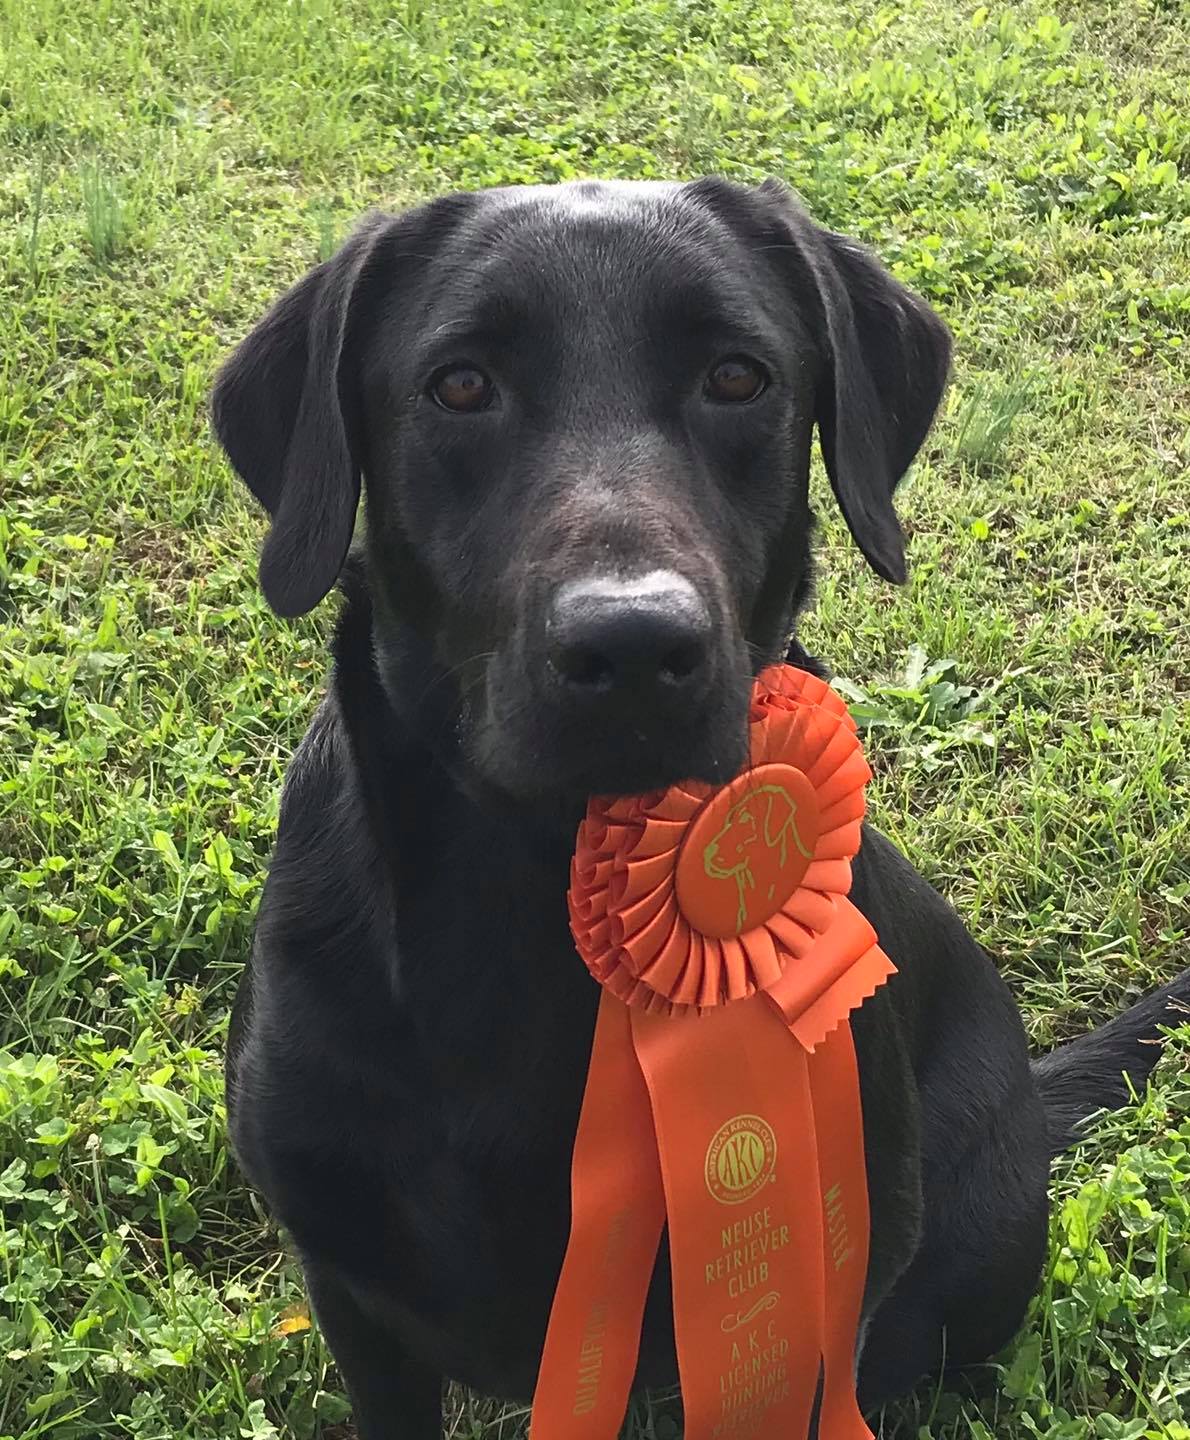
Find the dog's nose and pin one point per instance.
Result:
(651, 634)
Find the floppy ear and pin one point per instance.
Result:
(888, 358)
(779, 814)
(283, 409)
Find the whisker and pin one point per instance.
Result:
(452, 671)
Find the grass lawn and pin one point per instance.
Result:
(165, 169)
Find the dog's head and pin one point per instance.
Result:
(582, 415)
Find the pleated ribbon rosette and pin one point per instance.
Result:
(722, 1099)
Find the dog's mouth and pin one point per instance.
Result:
(632, 765)
(542, 750)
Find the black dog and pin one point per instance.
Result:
(584, 414)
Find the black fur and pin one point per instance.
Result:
(411, 1038)
(1106, 1065)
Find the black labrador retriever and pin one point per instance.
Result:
(584, 415)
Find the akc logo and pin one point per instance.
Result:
(740, 1159)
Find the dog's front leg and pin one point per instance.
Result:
(392, 1396)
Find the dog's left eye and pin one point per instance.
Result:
(462, 389)
(735, 380)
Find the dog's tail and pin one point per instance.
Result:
(1099, 1070)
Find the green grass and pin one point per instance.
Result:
(165, 170)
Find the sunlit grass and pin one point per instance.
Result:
(163, 175)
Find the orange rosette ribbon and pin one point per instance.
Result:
(722, 1097)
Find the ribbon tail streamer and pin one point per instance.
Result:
(745, 1217)
(849, 967)
(834, 1088)
(617, 1216)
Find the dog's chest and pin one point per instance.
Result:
(479, 1169)
(411, 1081)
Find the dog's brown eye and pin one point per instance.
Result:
(462, 388)
(736, 380)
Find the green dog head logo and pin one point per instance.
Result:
(759, 832)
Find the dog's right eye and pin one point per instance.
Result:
(461, 389)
